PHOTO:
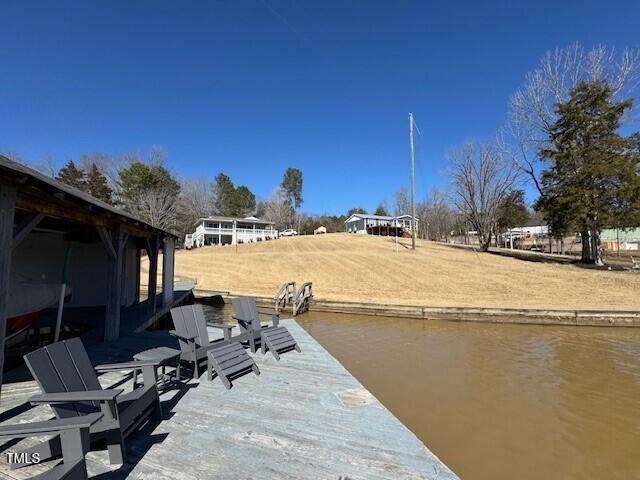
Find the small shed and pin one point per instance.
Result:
(320, 230)
(47, 227)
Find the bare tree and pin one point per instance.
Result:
(402, 204)
(197, 194)
(278, 210)
(12, 155)
(46, 167)
(157, 155)
(481, 180)
(157, 207)
(436, 216)
(195, 201)
(532, 108)
(109, 165)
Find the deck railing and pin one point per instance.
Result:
(284, 296)
(239, 231)
(302, 298)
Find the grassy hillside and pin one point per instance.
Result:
(368, 268)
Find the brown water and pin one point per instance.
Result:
(500, 401)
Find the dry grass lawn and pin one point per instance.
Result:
(367, 268)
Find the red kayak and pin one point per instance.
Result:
(27, 302)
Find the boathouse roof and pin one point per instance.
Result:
(41, 193)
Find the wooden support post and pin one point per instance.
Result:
(7, 214)
(114, 239)
(137, 297)
(152, 253)
(168, 250)
(234, 234)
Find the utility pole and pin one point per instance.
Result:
(413, 183)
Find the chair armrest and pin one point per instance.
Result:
(84, 396)
(135, 365)
(221, 325)
(173, 333)
(240, 319)
(216, 344)
(47, 427)
(275, 317)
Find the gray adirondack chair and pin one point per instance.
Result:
(226, 357)
(272, 337)
(70, 386)
(74, 435)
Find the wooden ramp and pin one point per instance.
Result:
(305, 416)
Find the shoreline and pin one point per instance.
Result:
(587, 318)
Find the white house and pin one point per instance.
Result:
(229, 231)
(531, 231)
(361, 222)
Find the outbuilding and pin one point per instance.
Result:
(51, 233)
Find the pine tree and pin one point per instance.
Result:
(512, 210)
(292, 187)
(351, 211)
(242, 202)
(223, 190)
(381, 210)
(71, 175)
(96, 185)
(592, 181)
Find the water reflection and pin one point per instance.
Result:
(500, 401)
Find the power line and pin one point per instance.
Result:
(415, 124)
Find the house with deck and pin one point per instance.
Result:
(218, 230)
(364, 223)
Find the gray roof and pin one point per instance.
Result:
(376, 217)
(35, 178)
(220, 218)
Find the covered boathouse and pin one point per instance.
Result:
(52, 233)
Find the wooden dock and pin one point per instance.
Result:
(303, 417)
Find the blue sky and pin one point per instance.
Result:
(250, 87)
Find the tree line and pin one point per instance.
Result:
(144, 186)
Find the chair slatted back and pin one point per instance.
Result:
(200, 324)
(64, 367)
(189, 320)
(177, 316)
(245, 308)
(83, 364)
